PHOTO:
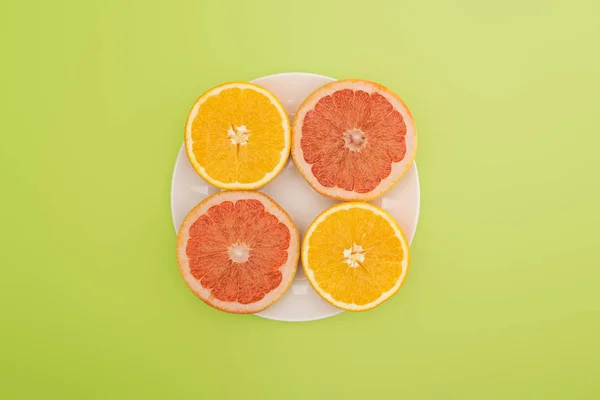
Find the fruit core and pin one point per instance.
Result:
(354, 256)
(355, 139)
(239, 253)
(238, 135)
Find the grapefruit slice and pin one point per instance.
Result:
(237, 136)
(353, 140)
(355, 255)
(238, 251)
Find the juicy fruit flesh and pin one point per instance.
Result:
(238, 136)
(355, 256)
(351, 138)
(236, 250)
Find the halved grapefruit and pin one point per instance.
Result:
(238, 251)
(353, 140)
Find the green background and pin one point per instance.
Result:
(502, 300)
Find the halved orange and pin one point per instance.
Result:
(355, 255)
(237, 136)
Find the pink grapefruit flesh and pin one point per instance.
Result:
(238, 251)
(353, 140)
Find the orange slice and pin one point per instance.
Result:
(237, 136)
(355, 256)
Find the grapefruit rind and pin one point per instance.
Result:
(399, 169)
(311, 276)
(269, 175)
(288, 269)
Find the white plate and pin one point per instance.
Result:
(290, 190)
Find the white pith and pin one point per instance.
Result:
(354, 256)
(238, 135)
(398, 168)
(288, 269)
(285, 124)
(355, 139)
(239, 252)
(311, 275)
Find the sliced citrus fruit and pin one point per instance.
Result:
(237, 136)
(353, 140)
(355, 256)
(238, 251)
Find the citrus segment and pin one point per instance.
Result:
(237, 136)
(355, 256)
(238, 251)
(353, 140)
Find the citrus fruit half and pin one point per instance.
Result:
(237, 136)
(355, 256)
(353, 139)
(238, 251)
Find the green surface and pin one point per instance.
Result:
(502, 300)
